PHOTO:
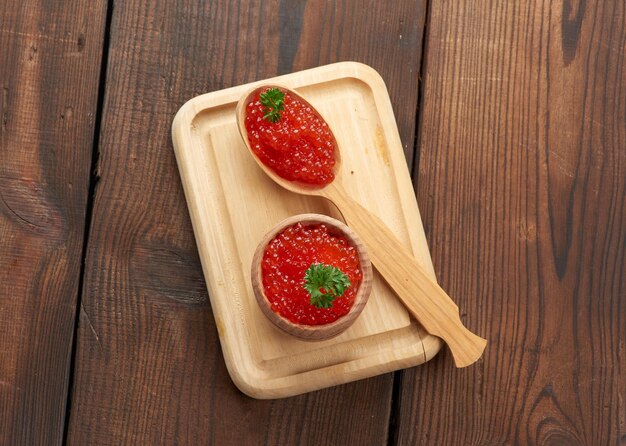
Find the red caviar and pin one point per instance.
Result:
(298, 147)
(285, 261)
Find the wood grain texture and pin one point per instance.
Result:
(149, 368)
(49, 66)
(522, 186)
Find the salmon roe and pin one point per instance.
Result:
(285, 261)
(298, 147)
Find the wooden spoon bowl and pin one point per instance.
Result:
(313, 332)
(294, 186)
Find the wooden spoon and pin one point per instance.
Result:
(421, 295)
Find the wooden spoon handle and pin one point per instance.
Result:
(421, 295)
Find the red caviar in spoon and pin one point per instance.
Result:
(285, 261)
(298, 147)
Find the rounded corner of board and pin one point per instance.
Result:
(248, 380)
(183, 117)
(367, 74)
(432, 346)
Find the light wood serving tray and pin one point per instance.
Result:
(233, 204)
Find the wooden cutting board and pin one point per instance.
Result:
(233, 204)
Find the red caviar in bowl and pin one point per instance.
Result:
(298, 147)
(285, 261)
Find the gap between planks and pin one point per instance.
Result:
(94, 178)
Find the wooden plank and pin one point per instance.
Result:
(50, 56)
(149, 368)
(522, 186)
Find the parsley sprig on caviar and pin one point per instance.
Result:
(325, 283)
(274, 102)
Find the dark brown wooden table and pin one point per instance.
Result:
(513, 119)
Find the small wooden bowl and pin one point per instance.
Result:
(314, 332)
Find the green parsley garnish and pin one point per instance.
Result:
(325, 283)
(274, 102)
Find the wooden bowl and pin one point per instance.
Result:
(314, 332)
